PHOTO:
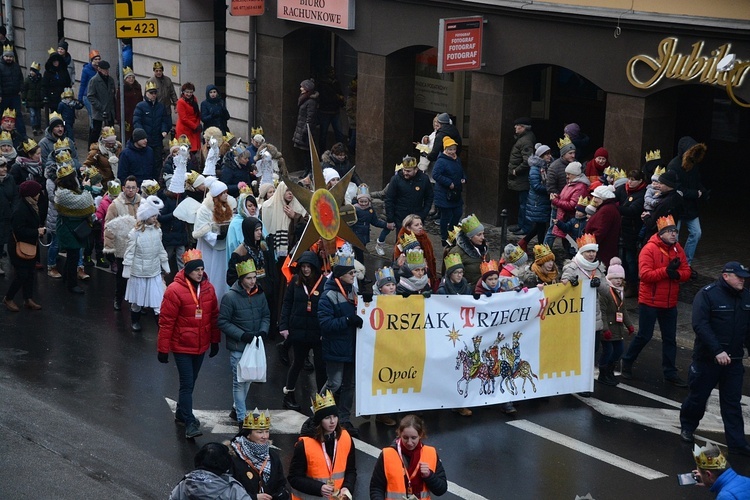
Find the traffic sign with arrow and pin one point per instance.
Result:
(128, 9)
(137, 28)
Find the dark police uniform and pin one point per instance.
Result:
(721, 321)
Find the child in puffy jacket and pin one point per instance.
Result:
(366, 217)
(31, 95)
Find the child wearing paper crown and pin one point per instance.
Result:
(144, 260)
(576, 226)
(32, 96)
(67, 108)
(385, 282)
(366, 217)
(413, 275)
(544, 270)
(616, 321)
(453, 282)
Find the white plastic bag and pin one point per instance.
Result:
(252, 365)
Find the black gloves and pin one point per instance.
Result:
(574, 281)
(247, 337)
(673, 274)
(367, 297)
(427, 294)
(214, 349)
(674, 264)
(163, 357)
(476, 296)
(354, 321)
(595, 282)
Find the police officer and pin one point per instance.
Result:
(721, 321)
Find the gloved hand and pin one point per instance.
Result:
(404, 294)
(354, 321)
(607, 335)
(477, 296)
(163, 357)
(674, 264)
(631, 330)
(427, 294)
(126, 272)
(367, 297)
(673, 274)
(595, 282)
(488, 294)
(248, 337)
(214, 349)
(574, 281)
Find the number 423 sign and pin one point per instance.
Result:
(137, 28)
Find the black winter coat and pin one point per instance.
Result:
(11, 79)
(688, 174)
(31, 91)
(173, 230)
(154, 119)
(25, 224)
(445, 130)
(339, 337)
(214, 112)
(8, 202)
(518, 165)
(232, 174)
(276, 486)
(308, 108)
(721, 321)
(303, 326)
(631, 208)
(412, 196)
(55, 80)
(671, 204)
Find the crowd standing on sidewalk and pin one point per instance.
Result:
(157, 216)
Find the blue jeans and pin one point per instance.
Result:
(522, 222)
(327, 120)
(239, 389)
(647, 318)
(549, 239)
(449, 217)
(52, 251)
(35, 114)
(702, 379)
(341, 377)
(188, 366)
(694, 236)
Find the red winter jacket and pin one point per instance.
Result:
(179, 330)
(605, 226)
(566, 202)
(656, 288)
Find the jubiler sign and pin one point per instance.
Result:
(454, 351)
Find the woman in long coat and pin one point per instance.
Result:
(189, 117)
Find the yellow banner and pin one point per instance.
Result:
(560, 332)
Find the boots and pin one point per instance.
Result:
(523, 244)
(135, 321)
(607, 375)
(290, 402)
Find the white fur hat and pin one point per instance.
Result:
(329, 174)
(216, 188)
(149, 207)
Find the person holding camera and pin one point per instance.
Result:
(662, 266)
(101, 95)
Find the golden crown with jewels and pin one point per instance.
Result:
(245, 267)
(256, 130)
(324, 401)
(407, 241)
(36, 66)
(151, 86)
(257, 420)
(709, 457)
(9, 113)
(6, 137)
(653, 155)
(64, 170)
(542, 254)
(61, 157)
(564, 141)
(29, 145)
(453, 234)
(63, 143)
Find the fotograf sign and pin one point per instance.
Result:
(460, 44)
(332, 13)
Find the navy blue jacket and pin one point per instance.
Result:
(173, 230)
(538, 205)
(448, 171)
(338, 337)
(404, 197)
(721, 321)
(574, 227)
(154, 119)
(214, 113)
(137, 162)
(365, 218)
(232, 174)
(303, 326)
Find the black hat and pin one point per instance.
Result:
(444, 118)
(524, 120)
(103, 65)
(669, 178)
(735, 268)
(62, 43)
(192, 265)
(139, 134)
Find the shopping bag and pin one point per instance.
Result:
(252, 365)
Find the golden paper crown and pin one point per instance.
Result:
(50, 50)
(489, 266)
(586, 239)
(610, 171)
(9, 113)
(55, 116)
(399, 166)
(9, 48)
(245, 188)
(6, 137)
(149, 187)
(174, 143)
(183, 140)
(126, 70)
(64, 170)
(29, 145)
(107, 132)
(385, 273)
(257, 420)
(228, 137)
(61, 157)
(256, 130)
(92, 172)
(62, 143)
(619, 174)
(409, 162)
(245, 267)
(709, 457)
(583, 201)
(67, 93)
(665, 222)
(453, 234)
(470, 223)
(193, 254)
(659, 171)
(35, 65)
(516, 255)
(324, 401)
(192, 176)
(451, 260)
(415, 258)
(408, 241)
(150, 86)
(653, 155)
(158, 65)
(542, 254)
(564, 141)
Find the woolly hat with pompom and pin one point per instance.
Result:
(615, 269)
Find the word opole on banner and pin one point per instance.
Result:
(454, 351)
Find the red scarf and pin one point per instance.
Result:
(412, 457)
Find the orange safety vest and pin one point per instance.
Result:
(317, 467)
(394, 472)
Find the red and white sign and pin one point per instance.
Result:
(333, 13)
(247, 7)
(460, 45)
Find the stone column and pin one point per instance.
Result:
(635, 125)
(42, 21)
(496, 101)
(102, 32)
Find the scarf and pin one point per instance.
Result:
(413, 284)
(487, 287)
(72, 204)
(584, 264)
(460, 288)
(276, 221)
(33, 168)
(256, 453)
(544, 276)
(411, 460)
(11, 157)
(193, 103)
(617, 289)
(32, 203)
(630, 190)
(105, 151)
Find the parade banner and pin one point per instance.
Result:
(455, 351)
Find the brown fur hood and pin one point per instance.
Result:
(692, 152)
